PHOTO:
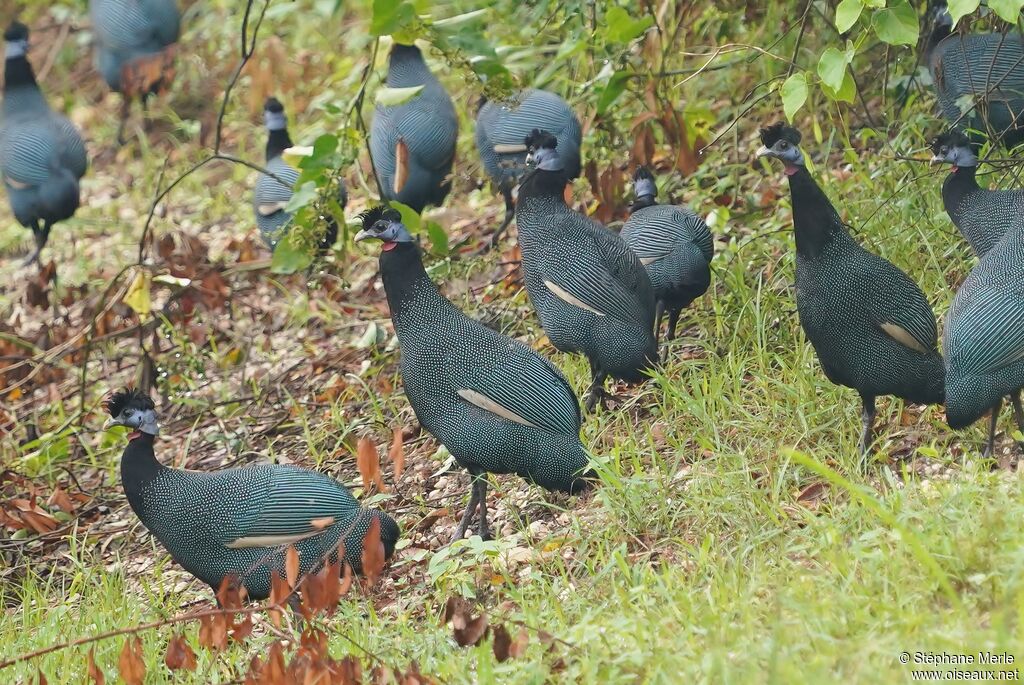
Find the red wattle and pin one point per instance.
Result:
(790, 170)
(388, 246)
(133, 435)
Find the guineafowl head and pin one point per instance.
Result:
(953, 147)
(643, 183)
(134, 409)
(385, 224)
(783, 143)
(274, 117)
(542, 151)
(16, 40)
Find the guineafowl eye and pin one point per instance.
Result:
(783, 145)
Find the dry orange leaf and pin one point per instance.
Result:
(368, 464)
(373, 552)
(60, 499)
(179, 655)
(131, 666)
(92, 670)
(397, 453)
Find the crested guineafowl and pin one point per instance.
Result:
(42, 156)
(501, 127)
(271, 195)
(238, 521)
(983, 216)
(413, 144)
(978, 78)
(674, 245)
(870, 324)
(591, 292)
(135, 45)
(498, 406)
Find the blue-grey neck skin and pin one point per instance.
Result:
(396, 232)
(15, 48)
(546, 159)
(645, 187)
(275, 121)
(961, 156)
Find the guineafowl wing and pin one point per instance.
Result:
(898, 306)
(611, 276)
(654, 232)
(989, 325)
(28, 151)
(72, 149)
(298, 504)
(271, 195)
(429, 132)
(164, 19)
(520, 381)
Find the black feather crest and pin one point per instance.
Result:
(117, 401)
(16, 31)
(273, 105)
(642, 173)
(776, 132)
(951, 138)
(375, 214)
(538, 139)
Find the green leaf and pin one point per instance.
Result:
(137, 296)
(794, 94)
(1008, 10)
(409, 216)
(846, 92)
(959, 9)
(438, 238)
(832, 67)
(459, 19)
(622, 28)
(392, 97)
(390, 15)
(290, 255)
(847, 14)
(305, 194)
(611, 91)
(896, 25)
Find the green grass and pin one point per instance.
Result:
(695, 561)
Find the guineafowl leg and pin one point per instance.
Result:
(126, 106)
(1018, 411)
(596, 393)
(659, 314)
(482, 530)
(673, 320)
(468, 515)
(510, 212)
(990, 445)
(41, 235)
(867, 417)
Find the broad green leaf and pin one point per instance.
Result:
(460, 19)
(832, 67)
(1008, 10)
(438, 238)
(137, 296)
(390, 15)
(622, 28)
(290, 255)
(846, 92)
(959, 9)
(409, 216)
(392, 97)
(896, 25)
(303, 195)
(611, 91)
(794, 94)
(847, 14)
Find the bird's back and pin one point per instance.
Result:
(127, 30)
(270, 198)
(670, 241)
(985, 216)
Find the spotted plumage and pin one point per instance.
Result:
(673, 244)
(978, 78)
(501, 127)
(870, 324)
(413, 144)
(498, 406)
(135, 42)
(42, 156)
(271, 196)
(238, 521)
(983, 216)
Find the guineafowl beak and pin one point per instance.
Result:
(937, 159)
(363, 235)
(111, 422)
(763, 151)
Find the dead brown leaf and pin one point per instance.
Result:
(94, 673)
(368, 464)
(373, 552)
(131, 666)
(179, 655)
(397, 453)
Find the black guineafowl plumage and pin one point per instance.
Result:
(978, 78)
(135, 46)
(238, 521)
(42, 156)
(413, 144)
(501, 127)
(674, 245)
(497, 405)
(983, 216)
(870, 324)
(271, 196)
(590, 290)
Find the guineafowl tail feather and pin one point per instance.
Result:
(779, 131)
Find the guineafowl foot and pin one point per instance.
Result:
(467, 516)
(41, 235)
(867, 417)
(990, 445)
(596, 394)
(482, 529)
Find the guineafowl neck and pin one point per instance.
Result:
(542, 184)
(277, 142)
(407, 67)
(959, 183)
(642, 202)
(18, 72)
(139, 468)
(406, 283)
(815, 220)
